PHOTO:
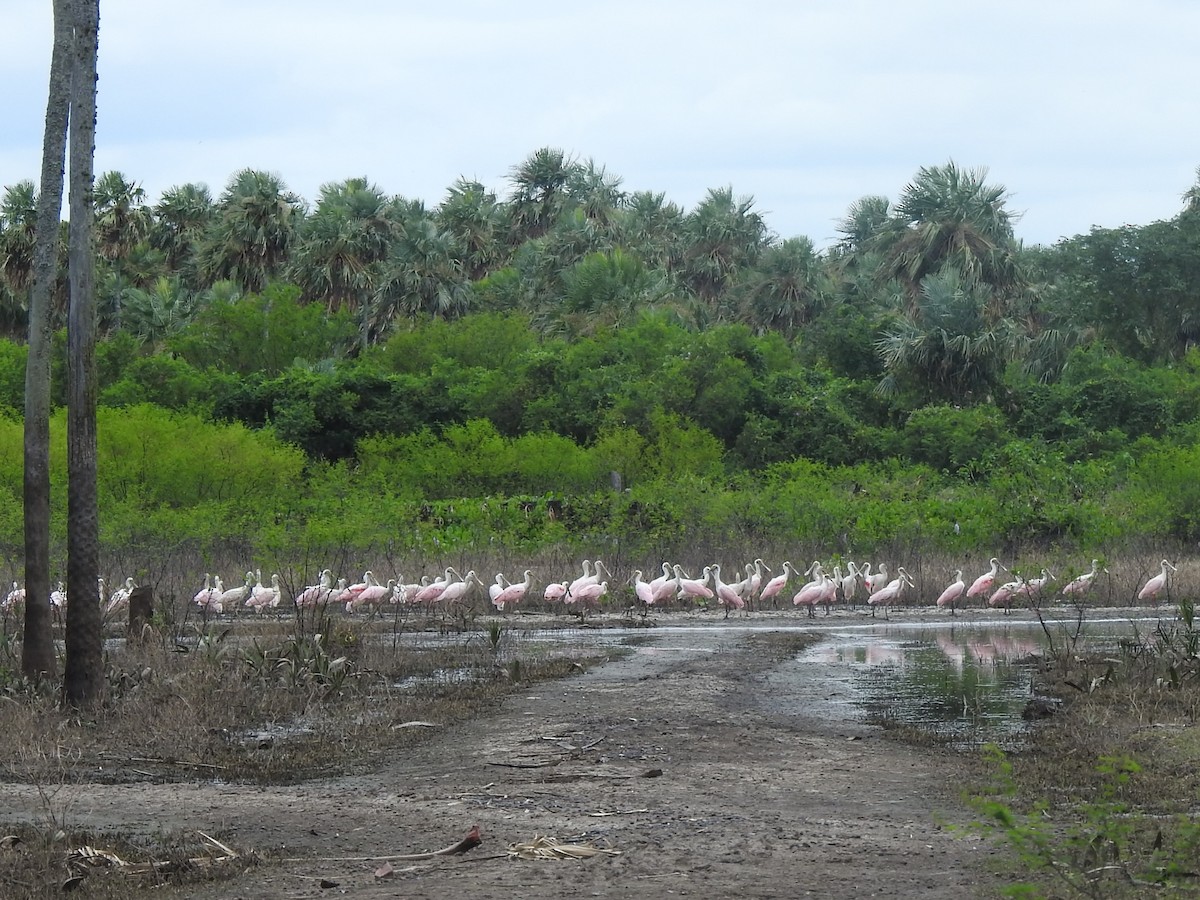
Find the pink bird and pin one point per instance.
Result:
(850, 583)
(1152, 588)
(500, 584)
(665, 585)
(953, 591)
(984, 582)
(119, 599)
(514, 593)
(1035, 586)
(316, 594)
(348, 594)
(642, 589)
(232, 598)
(775, 586)
(726, 595)
(15, 597)
(432, 592)
(458, 590)
(1002, 597)
(204, 595)
(586, 578)
(1080, 586)
(261, 596)
(373, 595)
(810, 595)
(407, 593)
(555, 590)
(876, 582)
(694, 587)
(890, 593)
(588, 596)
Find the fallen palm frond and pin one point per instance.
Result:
(84, 860)
(550, 848)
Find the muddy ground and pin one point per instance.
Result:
(677, 756)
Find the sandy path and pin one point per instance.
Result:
(752, 801)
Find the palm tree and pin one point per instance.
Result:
(37, 653)
(254, 231)
(472, 213)
(343, 244)
(784, 291)
(723, 234)
(156, 313)
(181, 217)
(83, 677)
(867, 218)
(18, 227)
(951, 218)
(122, 218)
(949, 344)
(651, 227)
(603, 290)
(423, 276)
(539, 193)
(591, 189)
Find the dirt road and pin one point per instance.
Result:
(676, 756)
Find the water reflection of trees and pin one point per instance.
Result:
(952, 682)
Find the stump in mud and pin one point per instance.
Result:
(141, 610)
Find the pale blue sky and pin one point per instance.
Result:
(1085, 110)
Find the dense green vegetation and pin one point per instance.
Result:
(273, 375)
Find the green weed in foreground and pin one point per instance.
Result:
(1100, 848)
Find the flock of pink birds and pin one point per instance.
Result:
(755, 584)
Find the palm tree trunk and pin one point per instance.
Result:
(82, 681)
(37, 656)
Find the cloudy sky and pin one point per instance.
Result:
(1085, 110)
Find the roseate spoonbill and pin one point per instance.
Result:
(262, 596)
(120, 597)
(665, 586)
(953, 591)
(642, 589)
(15, 596)
(515, 592)
(829, 588)
(775, 586)
(585, 578)
(555, 590)
(1002, 597)
(693, 587)
(407, 593)
(750, 586)
(891, 592)
(500, 584)
(876, 582)
(457, 590)
(208, 595)
(235, 597)
(1152, 588)
(588, 596)
(726, 595)
(1034, 586)
(373, 595)
(347, 594)
(433, 591)
(1080, 586)
(984, 582)
(811, 593)
(849, 583)
(316, 594)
